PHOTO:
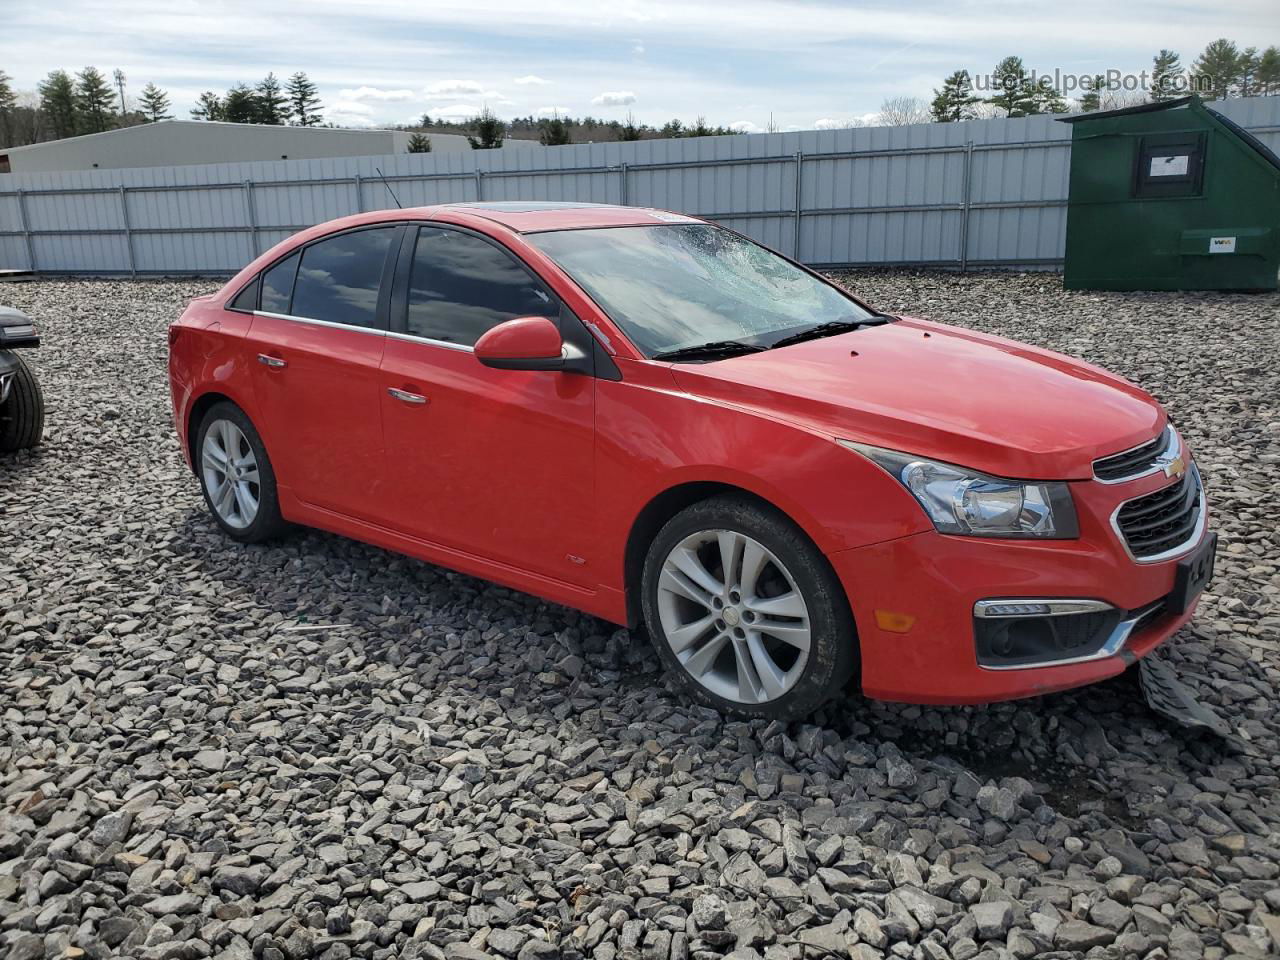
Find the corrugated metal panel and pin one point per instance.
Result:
(989, 191)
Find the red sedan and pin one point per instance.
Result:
(654, 419)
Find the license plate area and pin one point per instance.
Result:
(1192, 576)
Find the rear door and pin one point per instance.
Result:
(319, 334)
(495, 463)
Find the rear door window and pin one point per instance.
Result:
(339, 278)
(460, 286)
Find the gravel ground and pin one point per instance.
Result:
(319, 749)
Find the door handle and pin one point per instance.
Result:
(406, 396)
(270, 361)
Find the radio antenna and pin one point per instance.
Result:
(389, 190)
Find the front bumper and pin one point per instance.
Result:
(932, 582)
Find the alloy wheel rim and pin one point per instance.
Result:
(231, 474)
(733, 616)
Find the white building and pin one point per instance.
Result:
(175, 142)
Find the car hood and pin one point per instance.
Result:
(944, 392)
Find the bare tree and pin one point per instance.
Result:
(901, 111)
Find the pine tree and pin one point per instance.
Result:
(425, 121)
(1217, 70)
(1248, 68)
(154, 103)
(1014, 94)
(8, 100)
(118, 76)
(954, 102)
(240, 105)
(93, 99)
(1092, 99)
(489, 131)
(1047, 98)
(419, 143)
(304, 100)
(1267, 76)
(209, 106)
(272, 104)
(58, 103)
(672, 128)
(554, 133)
(1167, 76)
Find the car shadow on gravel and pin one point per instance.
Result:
(1068, 746)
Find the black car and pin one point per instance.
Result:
(21, 403)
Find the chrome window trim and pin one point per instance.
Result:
(1202, 522)
(374, 331)
(1058, 607)
(413, 338)
(1113, 645)
(1171, 449)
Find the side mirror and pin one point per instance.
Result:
(526, 343)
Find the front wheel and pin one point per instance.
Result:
(21, 409)
(745, 612)
(236, 476)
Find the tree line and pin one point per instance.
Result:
(68, 105)
(1222, 70)
(295, 102)
(486, 131)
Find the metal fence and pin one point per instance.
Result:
(961, 195)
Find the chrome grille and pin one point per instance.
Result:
(1163, 522)
(1136, 462)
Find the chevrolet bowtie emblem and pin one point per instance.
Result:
(1175, 467)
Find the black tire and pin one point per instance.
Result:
(833, 640)
(268, 523)
(22, 415)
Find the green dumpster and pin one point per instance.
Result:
(1170, 196)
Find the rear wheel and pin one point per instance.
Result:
(745, 612)
(236, 476)
(22, 412)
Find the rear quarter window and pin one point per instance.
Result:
(277, 285)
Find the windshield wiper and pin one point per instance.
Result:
(828, 329)
(713, 350)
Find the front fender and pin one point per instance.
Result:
(653, 437)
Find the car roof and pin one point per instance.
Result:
(532, 216)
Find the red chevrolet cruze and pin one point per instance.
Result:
(654, 419)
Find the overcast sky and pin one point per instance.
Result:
(739, 62)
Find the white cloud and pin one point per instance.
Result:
(456, 111)
(350, 107)
(746, 126)
(376, 93)
(350, 113)
(553, 111)
(637, 47)
(453, 88)
(614, 98)
(529, 80)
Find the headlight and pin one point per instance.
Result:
(965, 502)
